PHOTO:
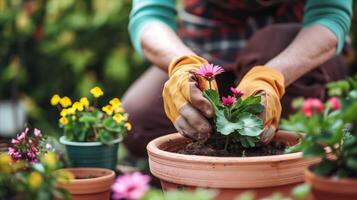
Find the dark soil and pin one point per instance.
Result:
(86, 177)
(199, 148)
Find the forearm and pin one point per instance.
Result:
(312, 46)
(161, 45)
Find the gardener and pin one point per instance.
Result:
(280, 49)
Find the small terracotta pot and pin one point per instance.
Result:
(231, 176)
(90, 183)
(325, 188)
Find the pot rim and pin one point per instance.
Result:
(311, 175)
(153, 149)
(106, 177)
(64, 141)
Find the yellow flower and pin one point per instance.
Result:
(108, 109)
(118, 118)
(35, 180)
(118, 109)
(5, 161)
(84, 101)
(50, 160)
(115, 102)
(71, 111)
(63, 120)
(96, 92)
(64, 112)
(65, 102)
(55, 100)
(128, 126)
(78, 106)
(64, 176)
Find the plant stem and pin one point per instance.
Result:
(210, 86)
(226, 143)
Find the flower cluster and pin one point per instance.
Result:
(313, 106)
(28, 146)
(131, 186)
(83, 121)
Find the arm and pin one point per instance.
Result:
(152, 29)
(326, 22)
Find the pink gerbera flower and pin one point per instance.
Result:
(209, 71)
(229, 100)
(237, 92)
(312, 105)
(131, 186)
(335, 103)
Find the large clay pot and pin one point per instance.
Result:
(92, 154)
(231, 176)
(90, 183)
(325, 188)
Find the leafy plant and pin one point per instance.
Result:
(327, 125)
(82, 122)
(236, 123)
(28, 170)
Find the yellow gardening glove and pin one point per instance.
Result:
(184, 102)
(269, 83)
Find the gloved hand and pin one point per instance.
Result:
(269, 83)
(184, 102)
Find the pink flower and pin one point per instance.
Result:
(131, 186)
(229, 100)
(312, 105)
(14, 141)
(37, 132)
(237, 92)
(23, 135)
(209, 71)
(12, 151)
(335, 103)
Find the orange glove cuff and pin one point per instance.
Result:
(264, 78)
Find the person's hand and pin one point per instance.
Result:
(184, 102)
(269, 83)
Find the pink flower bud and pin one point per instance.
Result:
(335, 103)
(312, 105)
(37, 132)
(237, 92)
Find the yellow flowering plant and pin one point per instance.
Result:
(85, 121)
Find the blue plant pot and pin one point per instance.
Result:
(92, 154)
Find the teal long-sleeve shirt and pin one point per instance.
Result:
(333, 14)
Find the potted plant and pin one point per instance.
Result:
(88, 183)
(27, 171)
(91, 135)
(234, 159)
(329, 125)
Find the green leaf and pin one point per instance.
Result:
(352, 163)
(252, 125)
(314, 151)
(87, 118)
(224, 126)
(324, 168)
(301, 192)
(213, 97)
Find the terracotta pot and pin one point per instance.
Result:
(90, 183)
(324, 188)
(230, 175)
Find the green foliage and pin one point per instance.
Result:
(65, 47)
(237, 123)
(335, 129)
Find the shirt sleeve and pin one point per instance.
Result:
(146, 11)
(333, 14)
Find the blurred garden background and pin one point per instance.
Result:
(66, 47)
